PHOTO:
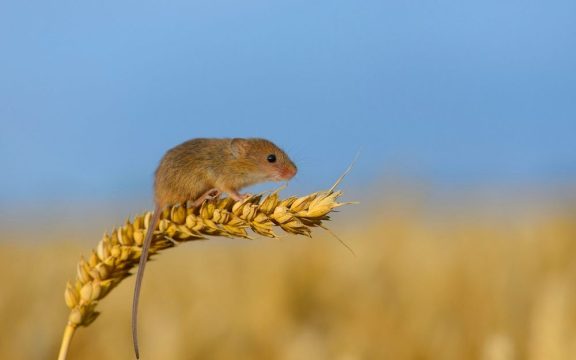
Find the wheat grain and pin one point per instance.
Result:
(118, 252)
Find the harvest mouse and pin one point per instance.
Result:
(200, 169)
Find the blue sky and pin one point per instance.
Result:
(454, 92)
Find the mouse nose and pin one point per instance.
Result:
(288, 173)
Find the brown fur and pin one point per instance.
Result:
(190, 169)
(202, 168)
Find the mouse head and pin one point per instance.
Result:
(264, 158)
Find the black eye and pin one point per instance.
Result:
(271, 158)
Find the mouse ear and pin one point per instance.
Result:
(239, 147)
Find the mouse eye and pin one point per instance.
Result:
(271, 158)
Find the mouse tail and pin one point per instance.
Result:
(140, 275)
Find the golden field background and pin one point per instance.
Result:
(465, 278)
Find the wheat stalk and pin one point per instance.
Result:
(117, 253)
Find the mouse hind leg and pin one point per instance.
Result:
(208, 195)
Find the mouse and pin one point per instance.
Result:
(204, 168)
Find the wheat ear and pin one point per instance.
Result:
(117, 253)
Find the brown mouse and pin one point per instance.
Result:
(200, 169)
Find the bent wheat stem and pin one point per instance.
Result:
(118, 252)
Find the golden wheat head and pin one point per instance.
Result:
(118, 252)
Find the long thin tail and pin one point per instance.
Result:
(140, 275)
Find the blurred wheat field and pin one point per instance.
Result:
(465, 284)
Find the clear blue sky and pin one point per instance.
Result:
(93, 92)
